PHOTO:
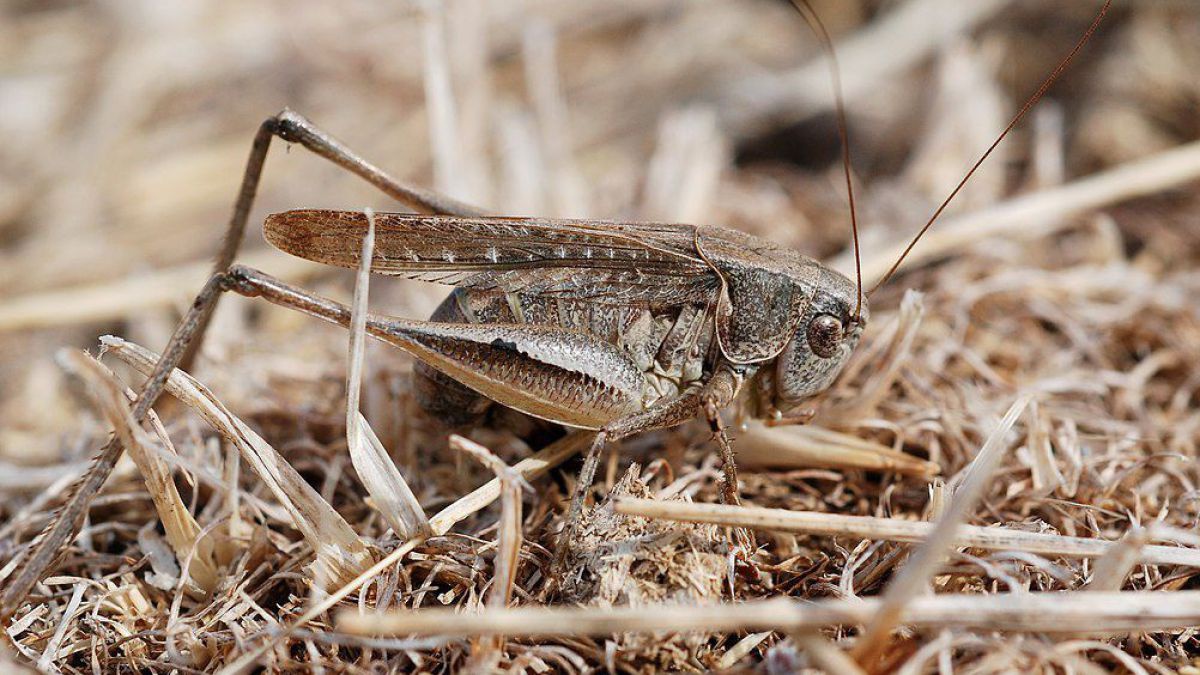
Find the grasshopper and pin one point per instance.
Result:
(614, 327)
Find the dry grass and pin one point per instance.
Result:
(914, 527)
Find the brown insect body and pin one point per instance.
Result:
(586, 322)
(665, 349)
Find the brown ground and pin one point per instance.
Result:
(125, 127)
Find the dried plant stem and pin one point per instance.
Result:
(508, 532)
(340, 552)
(826, 655)
(540, 50)
(251, 658)
(915, 575)
(65, 524)
(1094, 613)
(893, 529)
(743, 647)
(182, 530)
(20, 478)
(440, 100)
(509, 538)
(388, 489)
(51, 654)
(1111, 570)
(814, 446)
(531, 467)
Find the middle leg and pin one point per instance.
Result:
(729, 483)
(717, 393)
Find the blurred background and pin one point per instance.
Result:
(125, 126)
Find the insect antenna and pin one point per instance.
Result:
(1041, 91)
(818, 28)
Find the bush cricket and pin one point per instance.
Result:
(616, 327)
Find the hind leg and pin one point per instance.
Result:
(443, 399)
(185, 343)
(295, 128)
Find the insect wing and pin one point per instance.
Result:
(579, 259)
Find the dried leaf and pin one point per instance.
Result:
(183, 532)
(340, 553)
(389, 491)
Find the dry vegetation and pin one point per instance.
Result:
(1040, 384)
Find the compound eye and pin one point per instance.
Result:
(824, 335)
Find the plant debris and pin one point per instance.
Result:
(1004, 479)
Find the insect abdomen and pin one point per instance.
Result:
(669, 347)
